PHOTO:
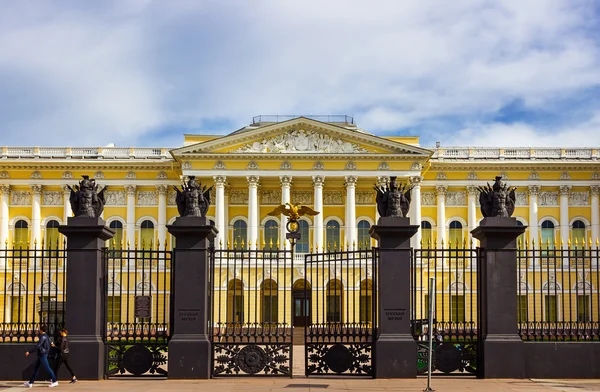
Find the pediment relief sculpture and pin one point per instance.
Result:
(301, 141)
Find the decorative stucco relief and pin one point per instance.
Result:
(116, 198)
(171, 196)
(99, 175)
(238, 196)
(271, 196)
(522, 199)
(147, 198)
(4, 174)
(428, 199)
(441, 176)
(365, 197)
(299, 141)
(52, 198)
(548, 199)
(456, 198)
(302, 197)
(20, 198)
(472, 176)
(333, 198)
(579, 198)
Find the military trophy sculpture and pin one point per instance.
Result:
(86, 200)
(192, 199)
(497, 200)
(393, 201)
(293, 212)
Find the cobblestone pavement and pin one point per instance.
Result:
(454, 384)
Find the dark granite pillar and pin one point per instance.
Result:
(395, 349)
(189, 348)
(502, 350)
(85, 294)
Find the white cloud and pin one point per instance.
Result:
(123, 70)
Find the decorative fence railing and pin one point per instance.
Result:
(557, 296)
(33, 291)
(456, 310)
(251, 315)
(137, 305)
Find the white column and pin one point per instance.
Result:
(595, 190)
(36, 216)
(130, 224)
(350, 213)
(415, 209)
(67, 210)
(440, 191)
(221, 240)
(318, 182)
(162, 215)
(564, 213)
(534, 190)
(471, 210)
(286, 182)
(252, 211)
(4, 215)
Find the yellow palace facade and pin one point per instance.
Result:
(325, 162)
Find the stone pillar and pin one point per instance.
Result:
(595, 191)
(564, 214)
(67, 211)
(395, 349)
(502, 347)
(318, 182)
(189, 348)
(162, 215)
(252, 211)
(350, 217)
(471, 210)
(415, 207)
(36, 216)
(86, 237)
(4, 215)
(440, 191)
(130, 224)
(534, 190)
(221, 239)
(286, 182)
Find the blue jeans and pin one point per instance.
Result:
(42, 360)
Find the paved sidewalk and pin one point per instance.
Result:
(322, 385)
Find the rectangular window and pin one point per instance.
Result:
(334, 308)
(269, 310)
(457, 306)
(51, 240)
(236, 308)
(583, 308)
(551, 308)
(455, 239)
(366, 308)
(522, 308)
(16, 309)
(114, 309)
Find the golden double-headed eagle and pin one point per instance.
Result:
(293, 211)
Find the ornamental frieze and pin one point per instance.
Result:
(300, 141)
(115, 198)
(302, 197)
(521, 199)
(579, 199)
(147, 198)
(454, 199)
(52, 198)
(428, 199)
(271, 196)
(546, 199)
(333, 198)
(171, 198)
(238, 196)
(365, 197)
(20, 198)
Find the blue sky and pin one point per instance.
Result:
(143, 73)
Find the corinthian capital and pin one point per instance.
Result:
(351, 180)
(162, 189)
(534, 190)
(565, 190)
(415, 180)
(5, 189)
(595, 189)
(440, 190)
(130, 190)
(36, 189)
(220, 180)
(285, 180)
(318, 181)
(472, 190)
(253, 180)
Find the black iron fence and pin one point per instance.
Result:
(455, 311)
(341, 312)
(137, 310)
(33, 291)
(557, 296)
(251, 316)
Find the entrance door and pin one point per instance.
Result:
(302, 304)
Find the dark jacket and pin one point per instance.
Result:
(43, 346)
(63, 344)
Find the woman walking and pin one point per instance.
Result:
(63, 354)
(42, 348)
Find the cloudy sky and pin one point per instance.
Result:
(143, 72)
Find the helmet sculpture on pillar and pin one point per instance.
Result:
(497, 200)
(86, 200)
(192, 199)
(393, 201)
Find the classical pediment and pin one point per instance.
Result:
(301, 136)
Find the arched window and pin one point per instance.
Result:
(364, 238)
(271, 234)
(547, 235)
(332, 235)
(366, 301)
(268, 290)
(334, 301)
(240, 235)
(302, 246)
(578, 234)
(21, 234)
(235, 301)
(147, 234)
(456, 235)
(17, 292)
(52, 236)
(583, 308)
(116, 243)
(426, 235)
